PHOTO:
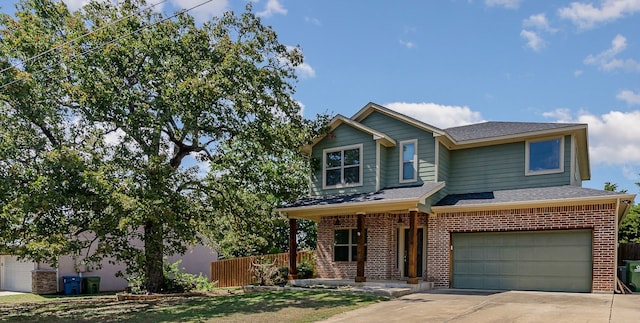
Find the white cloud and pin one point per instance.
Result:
(577, 73)
(305, 71)
(539, 22)
(509, 4)
(607, 60)
(441, 116)
(632, 98)
(407, 44)
(313, 21)
(204, 12)
(534, 41)
(613, 137)
(273, 7)
(586, 15)
(74, 5)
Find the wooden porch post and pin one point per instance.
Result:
(412, 277)
(360, 266)
(293, 249)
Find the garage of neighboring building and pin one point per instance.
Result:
(15, 275)
(549, 260)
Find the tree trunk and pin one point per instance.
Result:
(153, 254)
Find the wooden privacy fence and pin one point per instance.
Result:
(236, 271)
(628, 251)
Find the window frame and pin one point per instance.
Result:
(351, 245)
(527, 160)
(342, 149)
(401, 161)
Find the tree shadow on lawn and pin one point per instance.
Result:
(220, 307)
(184, 308)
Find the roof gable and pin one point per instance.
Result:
(338, 120)
(371, 107)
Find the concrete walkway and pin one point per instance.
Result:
(485, 306)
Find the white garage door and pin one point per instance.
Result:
(15, 275)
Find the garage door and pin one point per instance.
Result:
(531, 260)
(15, 275)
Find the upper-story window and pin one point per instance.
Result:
(342, 166)
(544, 156)
(408, 161)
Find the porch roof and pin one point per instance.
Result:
(384, 200)
(533, 197)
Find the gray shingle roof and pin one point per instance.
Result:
(522, 195)
(386, 194)
(497, 129)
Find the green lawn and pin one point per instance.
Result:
(283, 306)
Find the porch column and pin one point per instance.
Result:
(360, 266)
(412, 277)
(293, 249)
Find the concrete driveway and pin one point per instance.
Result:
(484, 306)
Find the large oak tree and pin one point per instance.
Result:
(119, 124)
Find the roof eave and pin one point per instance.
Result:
(463, 144)
(537, 203)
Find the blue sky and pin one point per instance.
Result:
(457, 62)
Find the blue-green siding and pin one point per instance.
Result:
(500, 167)
(401, 131)
(345, 135)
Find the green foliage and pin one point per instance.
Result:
(282, 276)
(629, 230)
(177, 281)
(307, 268)
(96, 133)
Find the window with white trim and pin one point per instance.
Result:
(345, 245)
(544, 156)
(342, 166)
(408, 161)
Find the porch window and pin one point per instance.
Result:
(345, 245)
(544, 156)
(408, 161)
(342, 167)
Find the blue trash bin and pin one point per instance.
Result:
(71, 285)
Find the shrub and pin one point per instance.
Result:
(263, 271)
(306, 268)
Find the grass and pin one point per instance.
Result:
(280, 306)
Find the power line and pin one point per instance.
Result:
(183, 11)
(81, 36)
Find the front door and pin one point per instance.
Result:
(406, 251)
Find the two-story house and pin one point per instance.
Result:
(495, 205)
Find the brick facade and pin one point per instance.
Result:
(382, 231)
(382, 239)
(600, 218)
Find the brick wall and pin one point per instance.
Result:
(600, 218)
(43, 282)
(381, 246)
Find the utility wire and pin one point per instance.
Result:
(183, 11)
(81, 36)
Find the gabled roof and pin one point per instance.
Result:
(495, 129)
(384, 200)
(528, 197)
(371, 107)
(381, 137)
